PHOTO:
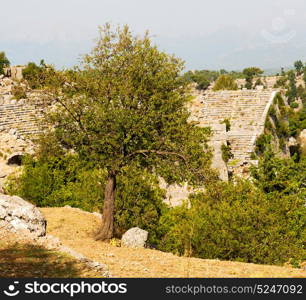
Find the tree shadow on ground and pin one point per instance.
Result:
(27, 260)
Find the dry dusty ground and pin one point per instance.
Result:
(23, 257)
(75, 229)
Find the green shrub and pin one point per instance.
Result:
(281, 82)
(4, 62)
(294, 105)
(225, 82)
(227, 123)
(57, 182)
(253, 156)
(236, 222)
(297, 121)
(19, 92)
(37, 75)
(201, 78)
(261, 143)
(226, 152)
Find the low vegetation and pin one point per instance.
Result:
(204, 78)
(225, 82)
(4, 62)
(120, 122)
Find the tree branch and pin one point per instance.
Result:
(157, 152)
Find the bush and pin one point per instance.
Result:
(4, 62)
(227, 123)
(57, 182)
(19, 92)
(294, 105)
(226, 152)
(225, 82)
(262, 142)
(37, 76)
(236, 222)
(201, 78)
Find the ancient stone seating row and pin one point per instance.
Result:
(23, 117)
(244, 109)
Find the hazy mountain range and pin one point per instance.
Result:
(230, 48)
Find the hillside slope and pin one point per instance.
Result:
(76, 228)
(23, 257)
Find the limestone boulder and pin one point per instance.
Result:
(302, 138)
(134, 238)
(17, 214)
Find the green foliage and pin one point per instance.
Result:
(59, 181)
(292, 89)
(226, 152)
(4, 62)
(280, 127)
(37, 76)
(262, 142)
(202, 78)
(304, 74)
(250, 73)
(299, 67)
(225, 82)
(300, 91)
(139, 202)
(127, 106)
(272, 112)
(227, 123)
(294, 105)
(281, 82)
(279, 99)
(297, 122)
(236, 222)
(284, 176)
(19, 92)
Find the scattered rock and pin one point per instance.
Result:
(49, 241)
(302, 138)
(134, 238)
(17, 214)
(99, 267)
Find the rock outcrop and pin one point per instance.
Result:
(134, 238)
(19, 215)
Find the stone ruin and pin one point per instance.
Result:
(246, 110)
(18, 125)
(14, 72)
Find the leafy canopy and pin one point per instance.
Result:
(127, 105)
(249, 74)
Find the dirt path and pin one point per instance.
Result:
(75, 229)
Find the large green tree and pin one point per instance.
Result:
(126, 106)
(4, 62)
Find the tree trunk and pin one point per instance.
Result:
(107, 228)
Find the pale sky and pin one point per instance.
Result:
(205, 33)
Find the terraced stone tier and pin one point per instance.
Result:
(22, 117)
(245, 109)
